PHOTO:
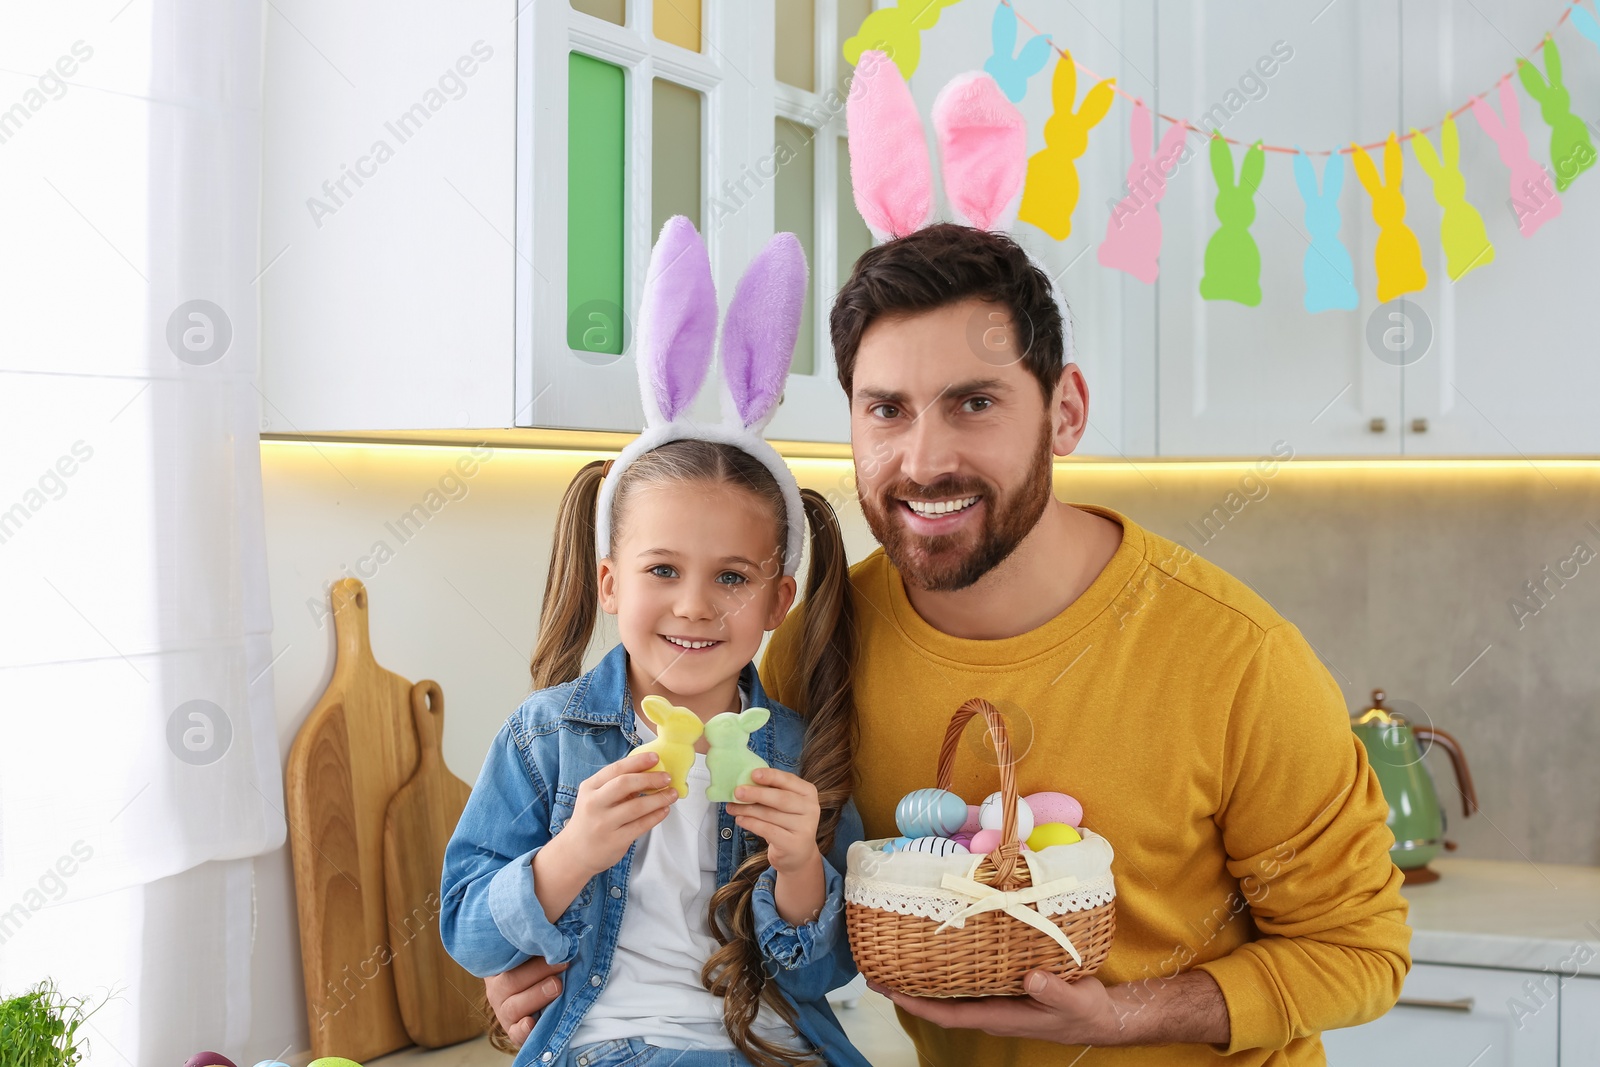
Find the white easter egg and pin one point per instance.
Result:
(991, 815)
(935, 846)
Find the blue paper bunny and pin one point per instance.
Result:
(1330, 273)
(1011, 72)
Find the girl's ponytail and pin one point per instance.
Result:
(827, 654)
(566, 619)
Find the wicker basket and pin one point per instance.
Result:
(989, 952)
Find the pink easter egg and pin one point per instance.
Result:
(964, 839)
(1055, 807)
(971, 826)
(208, 1059)
(984, 842)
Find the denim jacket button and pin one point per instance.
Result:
(727, 833)
(594, 979)
(546, 1057)
(616, 892)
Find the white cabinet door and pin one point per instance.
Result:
(388, 170)
(1457, 1015)
(1511, 367)
(1580, 1020)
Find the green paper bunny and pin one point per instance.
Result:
(1233, 262)
(1571, 150)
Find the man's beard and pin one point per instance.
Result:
(947, 562)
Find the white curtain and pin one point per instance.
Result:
(139, 762)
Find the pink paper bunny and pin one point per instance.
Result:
(1133, 236)
(1533, 193)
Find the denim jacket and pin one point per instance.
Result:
(491, 920)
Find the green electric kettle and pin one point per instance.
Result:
(1394, 748)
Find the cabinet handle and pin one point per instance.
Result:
(1419, 425)
(1464, 1004)
(1378, 425)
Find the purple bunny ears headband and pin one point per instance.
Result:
(677, 329)
(983, 150)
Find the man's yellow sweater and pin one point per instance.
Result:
(1206, 743)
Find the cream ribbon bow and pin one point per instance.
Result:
(1014, 903)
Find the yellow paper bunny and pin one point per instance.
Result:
(1398, 255)
(677, 729)
(1461, 230)
(1051, 193)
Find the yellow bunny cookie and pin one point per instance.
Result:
(677, 730)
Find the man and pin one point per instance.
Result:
(1256, 903)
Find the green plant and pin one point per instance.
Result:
(40, 1028)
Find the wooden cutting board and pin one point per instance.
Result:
(440, 1001)
(357, 747)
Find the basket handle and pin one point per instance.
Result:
(1003, 858)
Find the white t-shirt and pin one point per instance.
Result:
(653, 991)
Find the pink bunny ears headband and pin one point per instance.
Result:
(677, 328)
(982, 143)
(983, 149)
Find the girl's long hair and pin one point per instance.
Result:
(736, 972)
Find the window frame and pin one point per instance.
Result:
(734, 72)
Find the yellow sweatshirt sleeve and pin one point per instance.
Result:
(1303, 822)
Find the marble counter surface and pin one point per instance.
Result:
(1519, 916)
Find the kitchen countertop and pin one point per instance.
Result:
(1517, 916)
(1481, 913)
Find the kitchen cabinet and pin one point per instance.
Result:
(1494, 363)
(416, 218)
(420, 217)
(1463, 1015)
(1580, 1020)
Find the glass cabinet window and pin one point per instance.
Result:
(795, 44)
(596, 184)
(675, 154)
(794, 210)
(611, 10)
(852, 234)
(678, 22)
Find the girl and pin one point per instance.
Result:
(693, 935)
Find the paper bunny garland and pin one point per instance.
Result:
(677, 328)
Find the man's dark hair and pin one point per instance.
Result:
(943, 264)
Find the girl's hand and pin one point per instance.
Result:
(781, 808)
(616, 805)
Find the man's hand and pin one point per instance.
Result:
(1188, 1008)
(520, 994)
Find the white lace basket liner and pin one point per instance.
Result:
(912, 883)
(975, 925)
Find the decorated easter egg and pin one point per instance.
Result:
(1053, 833)
(986, 841)
(1055, 807)
(992, 815)
(208, 1059)
(272, 1063)
(333, 1061)
(935, 846)
(897, 844)
(972, 825)
(962, 838)
(930, 813)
